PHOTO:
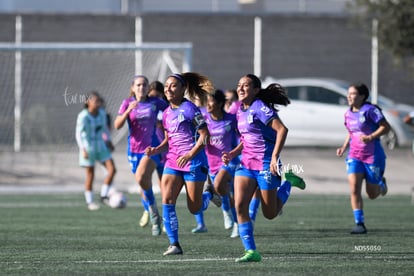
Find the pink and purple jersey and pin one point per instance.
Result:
(223, 137)
(142, 122)
(257, 137)
(364, 122)
(181, 125)
(234, 107)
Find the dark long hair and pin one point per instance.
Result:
(362, 89)
(92, 93)
(218, 96)
(274, 94)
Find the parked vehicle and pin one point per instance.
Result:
(315, 116)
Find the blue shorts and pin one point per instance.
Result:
(265, 179)
(230, 168)
(199, 174)
(135, 158)
(373, 172)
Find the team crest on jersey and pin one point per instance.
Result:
(250, 118)
(180, 117)
(227, 128)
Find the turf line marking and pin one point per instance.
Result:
(231, 259)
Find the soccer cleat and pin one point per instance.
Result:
(93, 206)
(144, 219)
(156, 230)
(199, 229)
(215, 198)
(105, 200)
(359, 229)
(235, 231)
(384, 187)
(156, 224)
(173, 250)
(228, 220)
(295, 180)
(249, 256)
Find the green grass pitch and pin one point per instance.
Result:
(56, 235)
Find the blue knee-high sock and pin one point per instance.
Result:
(144, 204)
(149, 194)
(283, 192)
(170, 219)
(246, 235)
(359, 216)
(206, 200)
(253, 207)
(199, 217)
(225, 203)
(233, 212)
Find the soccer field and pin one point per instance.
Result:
(57, 235)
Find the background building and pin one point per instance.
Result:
(298, 39)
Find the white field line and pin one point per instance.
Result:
(179, 259)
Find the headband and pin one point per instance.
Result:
(179, 77)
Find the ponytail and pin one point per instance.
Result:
(273, 95)
(198, 86)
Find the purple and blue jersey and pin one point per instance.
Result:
(257, 136)
(142, 122)
(181, 125)
(223, 138)
(234, 107)
(364, 122)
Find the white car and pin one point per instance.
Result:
(315, 116)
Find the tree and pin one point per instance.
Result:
(396, 23)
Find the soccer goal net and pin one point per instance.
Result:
(44, 85)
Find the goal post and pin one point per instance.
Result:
(44, 86)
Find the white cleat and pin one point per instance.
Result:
(228, 220)
(93, 206)
(144, 219)
(235, 231)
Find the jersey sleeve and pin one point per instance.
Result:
(375, 114)
(81, 132)
(106, 132)
(199, 119)
(123, 107)
(266, 114)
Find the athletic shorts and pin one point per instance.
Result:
(93, 157)
(198, 174)
(230, 168)
(135, 158)
(265, 179)
(373, 172)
